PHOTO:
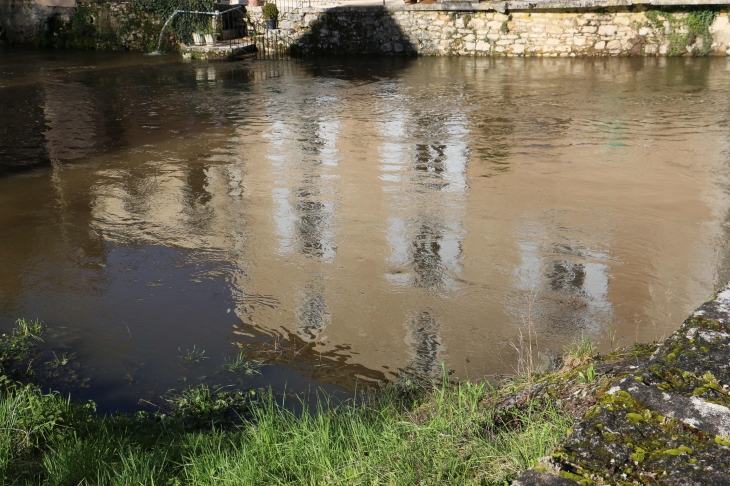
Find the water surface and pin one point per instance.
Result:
(342, 219)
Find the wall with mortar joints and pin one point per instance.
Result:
(480, 33)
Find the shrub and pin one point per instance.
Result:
(269, 11)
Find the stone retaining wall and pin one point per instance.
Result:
(88, 25)
(22, 20)
(473, 29)
(438, 31)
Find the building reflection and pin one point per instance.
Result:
(426, 186)
(343, 220)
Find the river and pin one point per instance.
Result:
(342, 219)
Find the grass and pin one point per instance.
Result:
(191, 356)
(239, 364)
(441, 434)
(579, 353)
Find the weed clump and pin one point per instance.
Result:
(579, 353)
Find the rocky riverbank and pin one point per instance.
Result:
(661, 418)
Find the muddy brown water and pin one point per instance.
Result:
(341, 219)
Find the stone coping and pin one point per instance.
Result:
(535, 6)
(519, 5)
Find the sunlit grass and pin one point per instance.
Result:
(445, 434)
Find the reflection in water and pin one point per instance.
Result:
(313, 314)
(343, 221)
(426, 203)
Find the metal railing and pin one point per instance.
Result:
(273, 43)
(286, 6)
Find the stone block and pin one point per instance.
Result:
(607, 30)
(477, 24)
(483, 46)
(505, 42)
(614, 44)
(554, 29)
(622, 20)
(589, 29)
(518, 49)
(600, 45)
(644, 31)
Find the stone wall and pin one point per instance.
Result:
(480, 32)
(474, 29)
(22, 20)
(88, 25)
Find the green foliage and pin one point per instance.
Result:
(689, 33)
(191, 356)
(448, 437)
(183, 25)
(589, 376)
(17, 346)
(239, 364)
(270, 11)
(424, 433)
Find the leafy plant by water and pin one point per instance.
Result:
(17, 344)
(239, 364)
(689, 33)
(589, 376)
(191, 356)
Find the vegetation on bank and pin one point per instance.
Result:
(689, 33)
(136, 26)
(405, 434)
